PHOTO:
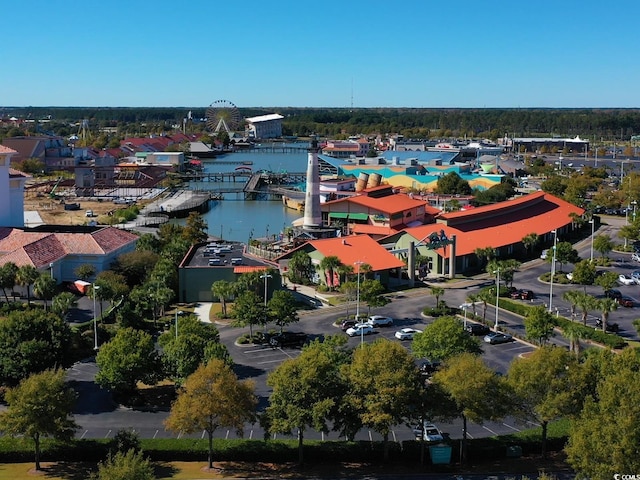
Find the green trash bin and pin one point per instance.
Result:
(514, 451)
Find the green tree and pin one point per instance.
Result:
(603, 244)
(565, 253)
(607, 280)
(383, 383)
(40, 406)
(443, 339)
(603, 439)
(248, 311)
(85, 271)
(282, 308)
(573, 297)
(539, 324)
(307, 391)
(371, 292)
(574, 333)
(130, 465)
(184, 353)
(63, 303)
(584, 273)
(32, 341)
(196, 229)
(300, 268)
(223, 290)
(212, 397)
(136, 266)
(113, 286)
(486, 297)
(130, 357)
(452, 184)
(478, 397)
(25, 276)
(8, 273)
(44, 287)
(485, 254)
(586, 302)
(545, 386)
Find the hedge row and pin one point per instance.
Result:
(275, 451)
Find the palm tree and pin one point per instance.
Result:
(586, 302)
(223, 290)
(574, 333)
(606, 306)
(473, 298)
(328, 265)
(8, 273)
(530, 241)
(573, 297)
(62, 303)
(485, 254)
(44, 287)
(437, 292)
(485, 297)
(25, 276)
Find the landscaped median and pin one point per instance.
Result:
(585, 333)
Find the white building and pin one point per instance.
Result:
(265, 126)
(11, 191)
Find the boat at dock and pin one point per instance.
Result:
(293, 203)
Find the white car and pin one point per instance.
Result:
(430, 432)
(635, 257)
(570, 276)
(626, 279)
(360, 329)
(543, 255)
(380, 321)
(406, 333)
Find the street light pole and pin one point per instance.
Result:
(593, 226)
(357, 264)
(178, 312)
(95, 318)
(495, 327)
(266, 276)
(553, 268)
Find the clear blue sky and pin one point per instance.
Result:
(328, 53)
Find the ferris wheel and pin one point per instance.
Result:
(222, 114)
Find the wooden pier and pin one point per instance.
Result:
(269, 184)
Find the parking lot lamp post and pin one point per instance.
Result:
(95, 318)
(593, 226)
(553, 269)
(497, 272)
(357, 264)
(266, 277)
(464, 306)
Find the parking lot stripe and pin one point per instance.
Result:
(489, 430)
(108, 433)
(513, 428)
(85, 432)
(155, 434)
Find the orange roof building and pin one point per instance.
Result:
(378, 212)
(501, 226)
(349, 250)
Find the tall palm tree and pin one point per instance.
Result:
(329, 265)
(25, 276)
(586, 302)
(573, 297)
(606, 306)
(437, 292)
(44, 287)
(62, 303)
(485, 297)
(574, 333)
(530, 241)
(473, 298)
(8, 273)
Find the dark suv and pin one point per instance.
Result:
(288, 339)
(613, 293)
(347, 324)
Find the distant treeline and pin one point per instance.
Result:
(596, 124)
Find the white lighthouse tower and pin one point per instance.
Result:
(312, 214)
(11, 191)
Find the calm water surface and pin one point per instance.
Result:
(236, 219)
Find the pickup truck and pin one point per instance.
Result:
(288, 339)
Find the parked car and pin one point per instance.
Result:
(625, 279)
(288, 339)
(611, 327)
(636, 275)
(88, 213)
(429, 432)
(498, 337)
(359, 329)
(427, 367)
(613, 293)
(477, 329)
(346, 324)
(635, 257)
(570, 276)
(406, 333)
(522, 295)
(380, 321)
(626, 302)
(544, 254)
